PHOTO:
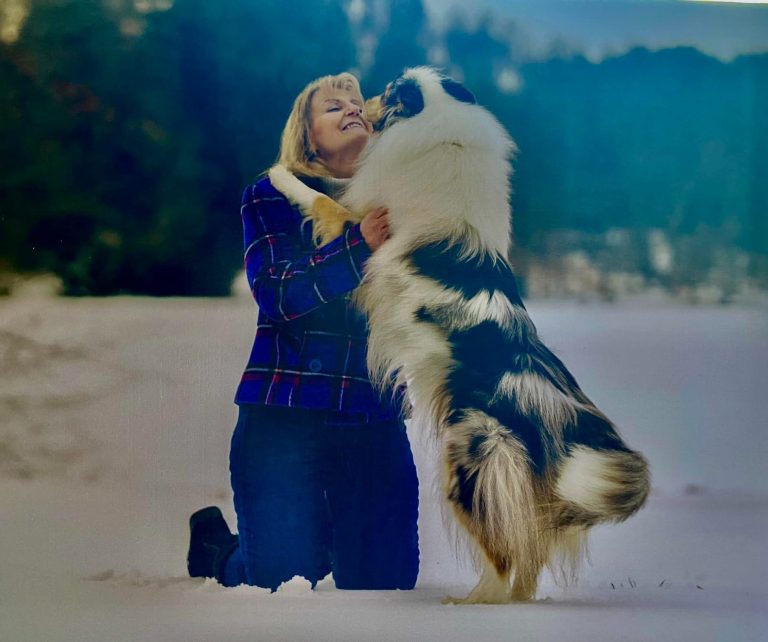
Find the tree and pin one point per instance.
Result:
(142, 130)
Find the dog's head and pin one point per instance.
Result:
(439, 161)
(407, 95)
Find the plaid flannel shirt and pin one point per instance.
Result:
(310, 346)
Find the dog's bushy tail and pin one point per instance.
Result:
(491, 487)
(599, 485)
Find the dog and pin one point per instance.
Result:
(529, 462)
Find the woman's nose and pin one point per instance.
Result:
(354, 110)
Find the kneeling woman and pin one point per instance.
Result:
(321, 468)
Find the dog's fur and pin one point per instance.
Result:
(529, 462)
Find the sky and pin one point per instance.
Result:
(600, 28)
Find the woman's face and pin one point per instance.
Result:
(338, 130)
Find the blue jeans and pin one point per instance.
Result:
(316, 492)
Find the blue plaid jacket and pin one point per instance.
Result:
(310, 345)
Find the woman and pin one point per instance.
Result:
(321, 468)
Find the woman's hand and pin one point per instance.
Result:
(375, 227)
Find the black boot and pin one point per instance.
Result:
(210, 542)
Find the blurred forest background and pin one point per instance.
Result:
(128, 129)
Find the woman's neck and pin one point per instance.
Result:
(342, 167)
(333, 186)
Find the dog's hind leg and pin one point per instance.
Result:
(490, 486)
(493, 587)
(527, 577)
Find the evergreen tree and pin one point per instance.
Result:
(141, 131)
(126, 137)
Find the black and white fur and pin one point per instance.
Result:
(529, 462)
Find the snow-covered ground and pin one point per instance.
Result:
(115, 419)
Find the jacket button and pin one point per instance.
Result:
(315, 365)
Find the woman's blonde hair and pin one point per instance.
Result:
(296, 154)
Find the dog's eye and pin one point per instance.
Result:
(409, 98)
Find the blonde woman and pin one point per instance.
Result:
(321, 468)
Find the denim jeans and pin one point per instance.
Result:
(316, 492)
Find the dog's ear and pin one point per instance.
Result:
(406, 95)
(458, 91)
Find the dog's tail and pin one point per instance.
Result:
(491, 487)
(600, 485)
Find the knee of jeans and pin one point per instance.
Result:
(384, 571)
(405, 582)
(270, 561)
(273, 577)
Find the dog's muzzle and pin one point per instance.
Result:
(374, 111)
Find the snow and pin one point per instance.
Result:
(116, 420)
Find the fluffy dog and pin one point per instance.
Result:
(529, 462)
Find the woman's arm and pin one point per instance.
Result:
(285, 281)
